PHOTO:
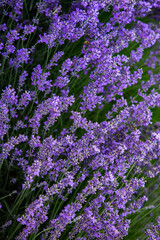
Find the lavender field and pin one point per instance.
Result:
(79, 119)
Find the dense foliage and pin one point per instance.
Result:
(79, 119)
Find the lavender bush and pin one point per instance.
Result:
(79, 119)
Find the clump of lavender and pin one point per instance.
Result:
(79, 131)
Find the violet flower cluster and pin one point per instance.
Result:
(78, 134)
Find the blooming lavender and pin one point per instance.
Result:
(79, 118)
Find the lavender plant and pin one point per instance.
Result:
(79, 119)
